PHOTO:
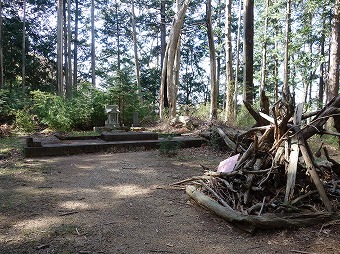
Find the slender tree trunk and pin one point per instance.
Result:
(60, 81)
(264, 50)
(168, 72)
(229, 113)
(1, 50)
(304, 79)
(286, 70)
(218, 58)
(248, 50)
(93, 46)
(23, 52)
(322, 69)
(311, 73)
(176, 69)
(24, 46)
(163, 97)
(213, 88)
(334, 62)
(118, 38)
(276, 68)
(69, 52)
(238, 39)
(66, 71)
(333, 80)
(75, 49)
(134, 36)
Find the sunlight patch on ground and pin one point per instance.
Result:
(147, 171)
(74, 205)
(124, 191)
(38, 224)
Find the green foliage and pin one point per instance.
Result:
(122, 92)
(169, 147)
(150, 82)
(83, 133)
(52, 110)
(83, 111)
(86, 108)
(24, 121)
(5, 109)
(39, 46)
(9, 144)
(202, 111)
(10, 102)
(244, 119)
(331, 140)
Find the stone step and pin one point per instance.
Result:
(72, 147)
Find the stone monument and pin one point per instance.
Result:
(135, 120)
(112, 112)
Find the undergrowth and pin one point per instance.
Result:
(169, 147)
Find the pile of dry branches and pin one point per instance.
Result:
(276, 181)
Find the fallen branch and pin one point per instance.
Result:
(68, 213)
(231, 144)
(250, 222)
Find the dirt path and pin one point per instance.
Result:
(122, 203)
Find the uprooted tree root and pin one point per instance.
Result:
(275, 182)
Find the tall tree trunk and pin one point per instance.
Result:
(329, 40)
(238, 39)
(66, 71)
(248, 50)
(264, 50)
(69, 53)
(1, 50)
(168, 72)
(212, 57)
(24, 46)
(163, 93)
(176, 68)
(333, 80)
(229, 113)
(60, 75)
(118, 37)
(286, 70)
(305, 80)
(75, 48)
(264, 100)
(311, 73)
(218, 57)
(134, 37)
(322, 68)
(276, 68)
(93, 46)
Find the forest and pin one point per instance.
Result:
(62, 61)
(259, 82)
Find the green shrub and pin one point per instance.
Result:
(244, 119)
(85, 108)
(10, 102)
(202, 111)
(52, 110)
(5, 109)
(168, 147)
(24, 121)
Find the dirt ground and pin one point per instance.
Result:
(124, 203)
